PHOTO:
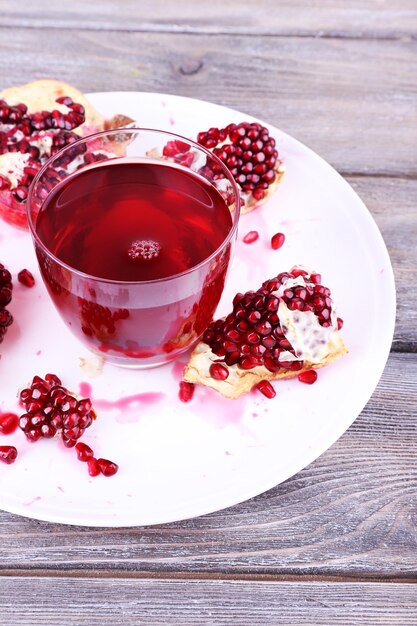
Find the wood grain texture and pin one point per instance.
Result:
(170, 603)
(393, 204)
(331, 94)
(354, 18)
(352, 513)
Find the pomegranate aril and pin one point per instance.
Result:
(308, 377)
(266, 389)
(26, 278)
(84, 452)
(277, 241)
(53, 379)
(107, 468)
(186, 391)
(8, 454)
(218, 371)
(8, 423)
(48, 430)
(251, 236)
(93, 467)
(339, 323)
(249, 362)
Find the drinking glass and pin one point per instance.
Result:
(140, 323)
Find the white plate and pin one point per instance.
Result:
(182, 460)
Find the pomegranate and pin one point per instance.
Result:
(8, 454)
(36, 121)
(84, 452)
(250, 154)
(26, 278)
(266, 389)
(107, 468)
(277, 241)
(246, 149)
(186, 391)
(93, 467)
(309, 377)
(8, 423)
(251, 237)
(279, 331)
(50, 408)
(6, 289)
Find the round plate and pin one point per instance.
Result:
(182, 460)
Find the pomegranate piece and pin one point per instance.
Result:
(84, 452)
(266, 389)
(277, 241)
(93, 467)
(252, 333)
(26, 278)
(6, 290)
(51, 408)
(107, 468)
(8, 454)
(8, 423)
(251, 236)
(288, 325)
(249, 153)
(219, 371)
(186, 391)
(308, 377)
(27, 140)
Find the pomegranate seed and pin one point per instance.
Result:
(93, 467)
(266, 388)
(277, 241)
(251, 236)
(26, 278)
(51, 408)
(8, 423)
(107, 468)
(186, 391)
(84, 452)
(8, 454)
(339, 323)
(218, 371)
(308, 377)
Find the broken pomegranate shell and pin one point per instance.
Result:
(286, 328)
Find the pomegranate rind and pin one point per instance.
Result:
(251, 203)
(41, 95)
(242, 381)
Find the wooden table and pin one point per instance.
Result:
(337, 543)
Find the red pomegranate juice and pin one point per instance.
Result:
(128, 221)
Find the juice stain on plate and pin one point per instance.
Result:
(129, 407)
(212, 407)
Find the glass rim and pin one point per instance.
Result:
(130, 130)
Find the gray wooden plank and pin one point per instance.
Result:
(331, 94)
(105, 602)
(354, 18)
(350, 513)
(393, 204)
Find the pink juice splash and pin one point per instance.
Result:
(133, 231)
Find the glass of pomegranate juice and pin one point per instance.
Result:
(133, 230)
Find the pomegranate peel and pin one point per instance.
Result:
(246, 149)
(37, 120)
(284, 329)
